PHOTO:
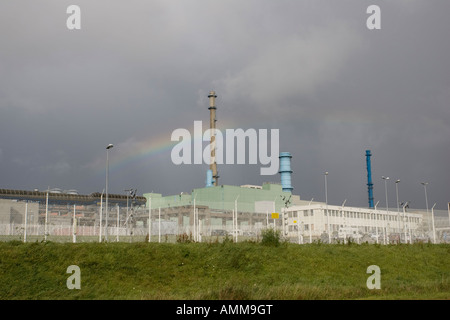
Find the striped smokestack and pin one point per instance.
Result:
(212, 125)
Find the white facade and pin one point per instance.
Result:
(311, 222)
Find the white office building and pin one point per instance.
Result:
(308, 223)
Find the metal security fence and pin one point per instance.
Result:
(66, 233)
(92, 223)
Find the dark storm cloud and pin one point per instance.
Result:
(137, 70)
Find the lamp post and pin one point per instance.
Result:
(405, 223)
(106, 206)
(26, 218)
(74, 225)
(345, 223)
(385, 189)
(274, 200)
(398, 205)
(101, 217)
(432, 222)
(150, 218)
(426, 202)
(195, 220)
(310, 222)
(326, 206)
(236, 217)
(46, 217)
(448, 210)
(117, 222)
(376, 220)
(387, 206)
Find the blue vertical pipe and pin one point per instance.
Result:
(209, 178)
(369, 178)
(285, 171)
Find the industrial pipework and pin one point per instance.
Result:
(285, 171)
(209, 178)
(369, 179)
(212, 125)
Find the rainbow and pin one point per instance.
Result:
(131, 151)
(134, 151)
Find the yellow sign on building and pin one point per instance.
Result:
(275, 215)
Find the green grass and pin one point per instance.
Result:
(246, 270)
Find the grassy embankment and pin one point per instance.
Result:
(222, 271)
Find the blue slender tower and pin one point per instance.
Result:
(369, 178)
(285, 171)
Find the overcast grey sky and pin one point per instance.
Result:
(137, 70)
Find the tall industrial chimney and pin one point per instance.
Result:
(369, 179)
(285, 171)
(212, 125)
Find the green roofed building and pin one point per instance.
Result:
(259, 199)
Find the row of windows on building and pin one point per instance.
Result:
(353, 215)
(335, 227)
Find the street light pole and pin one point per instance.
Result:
(150, 219)
(236, 217)
(387, 206)
(117, 223)
(195, 221)
(326, 207)
(405, 223)
(398, 205)
(101, 217)
(345, 223)
(432, 221)
(46, 217)
(26, 218)
(376, 220)
(107, 172)
(426, 203)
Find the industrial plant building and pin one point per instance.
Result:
(212, 211)
(254, 206)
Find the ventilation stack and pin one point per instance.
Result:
(369, 179)
(212, 125)
(209, 178)
(285, 171)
